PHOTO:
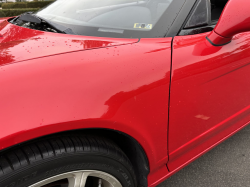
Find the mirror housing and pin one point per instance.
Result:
(234, 19)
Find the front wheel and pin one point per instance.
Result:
(86, 178)
(67, 161)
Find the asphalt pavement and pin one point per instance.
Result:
(227, 165)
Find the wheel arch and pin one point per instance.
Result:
(129, 145)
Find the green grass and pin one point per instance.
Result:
(18, 5)
(16, 12)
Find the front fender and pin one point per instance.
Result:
(125, 88)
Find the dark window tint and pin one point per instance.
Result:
(217, 7)
(200, 15)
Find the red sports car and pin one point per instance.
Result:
(119, 93)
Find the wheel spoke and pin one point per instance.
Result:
(84, 178)
(100, 183)
(75, 181)
(79, 179)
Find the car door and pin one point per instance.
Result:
(210, 91)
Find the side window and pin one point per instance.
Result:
(217, 7)
(203, 17)
(200, 15)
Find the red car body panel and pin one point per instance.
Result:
(209, 94)
(124, 87)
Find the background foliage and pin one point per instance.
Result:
(14, 12)
(14, 9)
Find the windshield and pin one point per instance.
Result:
(113, 18)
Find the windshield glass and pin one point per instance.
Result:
(122, 18)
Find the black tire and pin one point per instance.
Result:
(34, 162)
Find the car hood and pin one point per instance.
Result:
(20, 44)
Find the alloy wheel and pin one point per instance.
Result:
(84, 178)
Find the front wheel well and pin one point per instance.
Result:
(127, 144)
(131, 148)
